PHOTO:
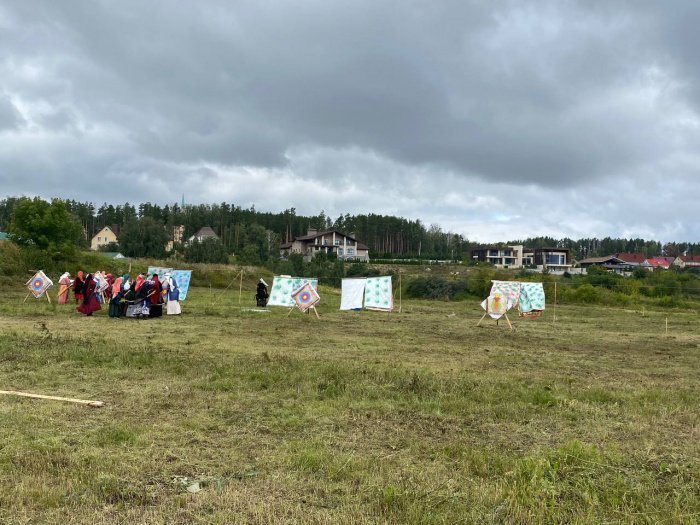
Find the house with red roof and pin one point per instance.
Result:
(631, 259)
(653, 263)
(687, 261)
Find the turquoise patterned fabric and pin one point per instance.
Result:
(182, 278)
(282, 288)
(531, 297)
(378, 293)
(161, 271)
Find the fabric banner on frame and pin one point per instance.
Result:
(531, 297)
(283, 286)
(161, 271)
(510, 289)
(378, 294)
(352, 294)
(182, 278)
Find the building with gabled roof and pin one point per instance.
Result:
(687, 261)
(205, 232)
(652, 263)
(330, 241)
(107, 235)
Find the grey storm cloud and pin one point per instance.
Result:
(501, 103)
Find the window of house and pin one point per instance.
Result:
(337, 243)
(556, 258)
(351, 252)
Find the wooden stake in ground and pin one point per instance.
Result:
(53, 398)
(240, 289)
(555, 302)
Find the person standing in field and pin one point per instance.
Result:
(78, 286)
(172, 295)
(64, 288)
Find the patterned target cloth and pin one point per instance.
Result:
(510, 289)
(531, 297)
(378, 294)
(305, 297)
(38, 284)
(283, 286)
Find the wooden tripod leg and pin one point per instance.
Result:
(506, 316)
(47, 296)
(482, 318)
(316, 312)
(25, 299)
(290, 311)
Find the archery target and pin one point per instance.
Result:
(38, 284)
(305, 297)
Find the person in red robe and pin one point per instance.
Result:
(90, 302)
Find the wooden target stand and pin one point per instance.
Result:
(505, 314)
(45, 294)
(312, 307)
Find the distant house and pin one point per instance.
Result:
(556, 259)
(106, 235)
(653, 263)
(205, 232)
(175, 237)
(631, 259)
(610, 262)
(331, 241)
(113, 255)
(508, 257)
(687, 261)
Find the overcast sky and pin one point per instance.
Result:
(493, 119)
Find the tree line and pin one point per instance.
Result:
(255, 236)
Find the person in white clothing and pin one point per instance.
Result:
(172, 295)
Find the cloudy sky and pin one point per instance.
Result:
(494, 119)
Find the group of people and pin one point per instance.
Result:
(144, 296)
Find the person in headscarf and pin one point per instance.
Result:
(155, 297)
(90, 302)
(78, 286)
(261, 294)
(172, 295)
(63, 288)
(116, 292)
(140, 279)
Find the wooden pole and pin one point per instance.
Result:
(667, 326)
(54, 398)
(399, 291)
(240, 289)
(555, 302)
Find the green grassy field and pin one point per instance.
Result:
(413, 417)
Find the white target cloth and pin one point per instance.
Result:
(352, 293)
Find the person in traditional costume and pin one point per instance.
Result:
(155, 297)
(90, 302)
(261, 294)
(78, 286)
(140, 279)
(64, 283)
(117, 292)
(172, 295)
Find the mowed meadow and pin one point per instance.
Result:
(225, 415)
